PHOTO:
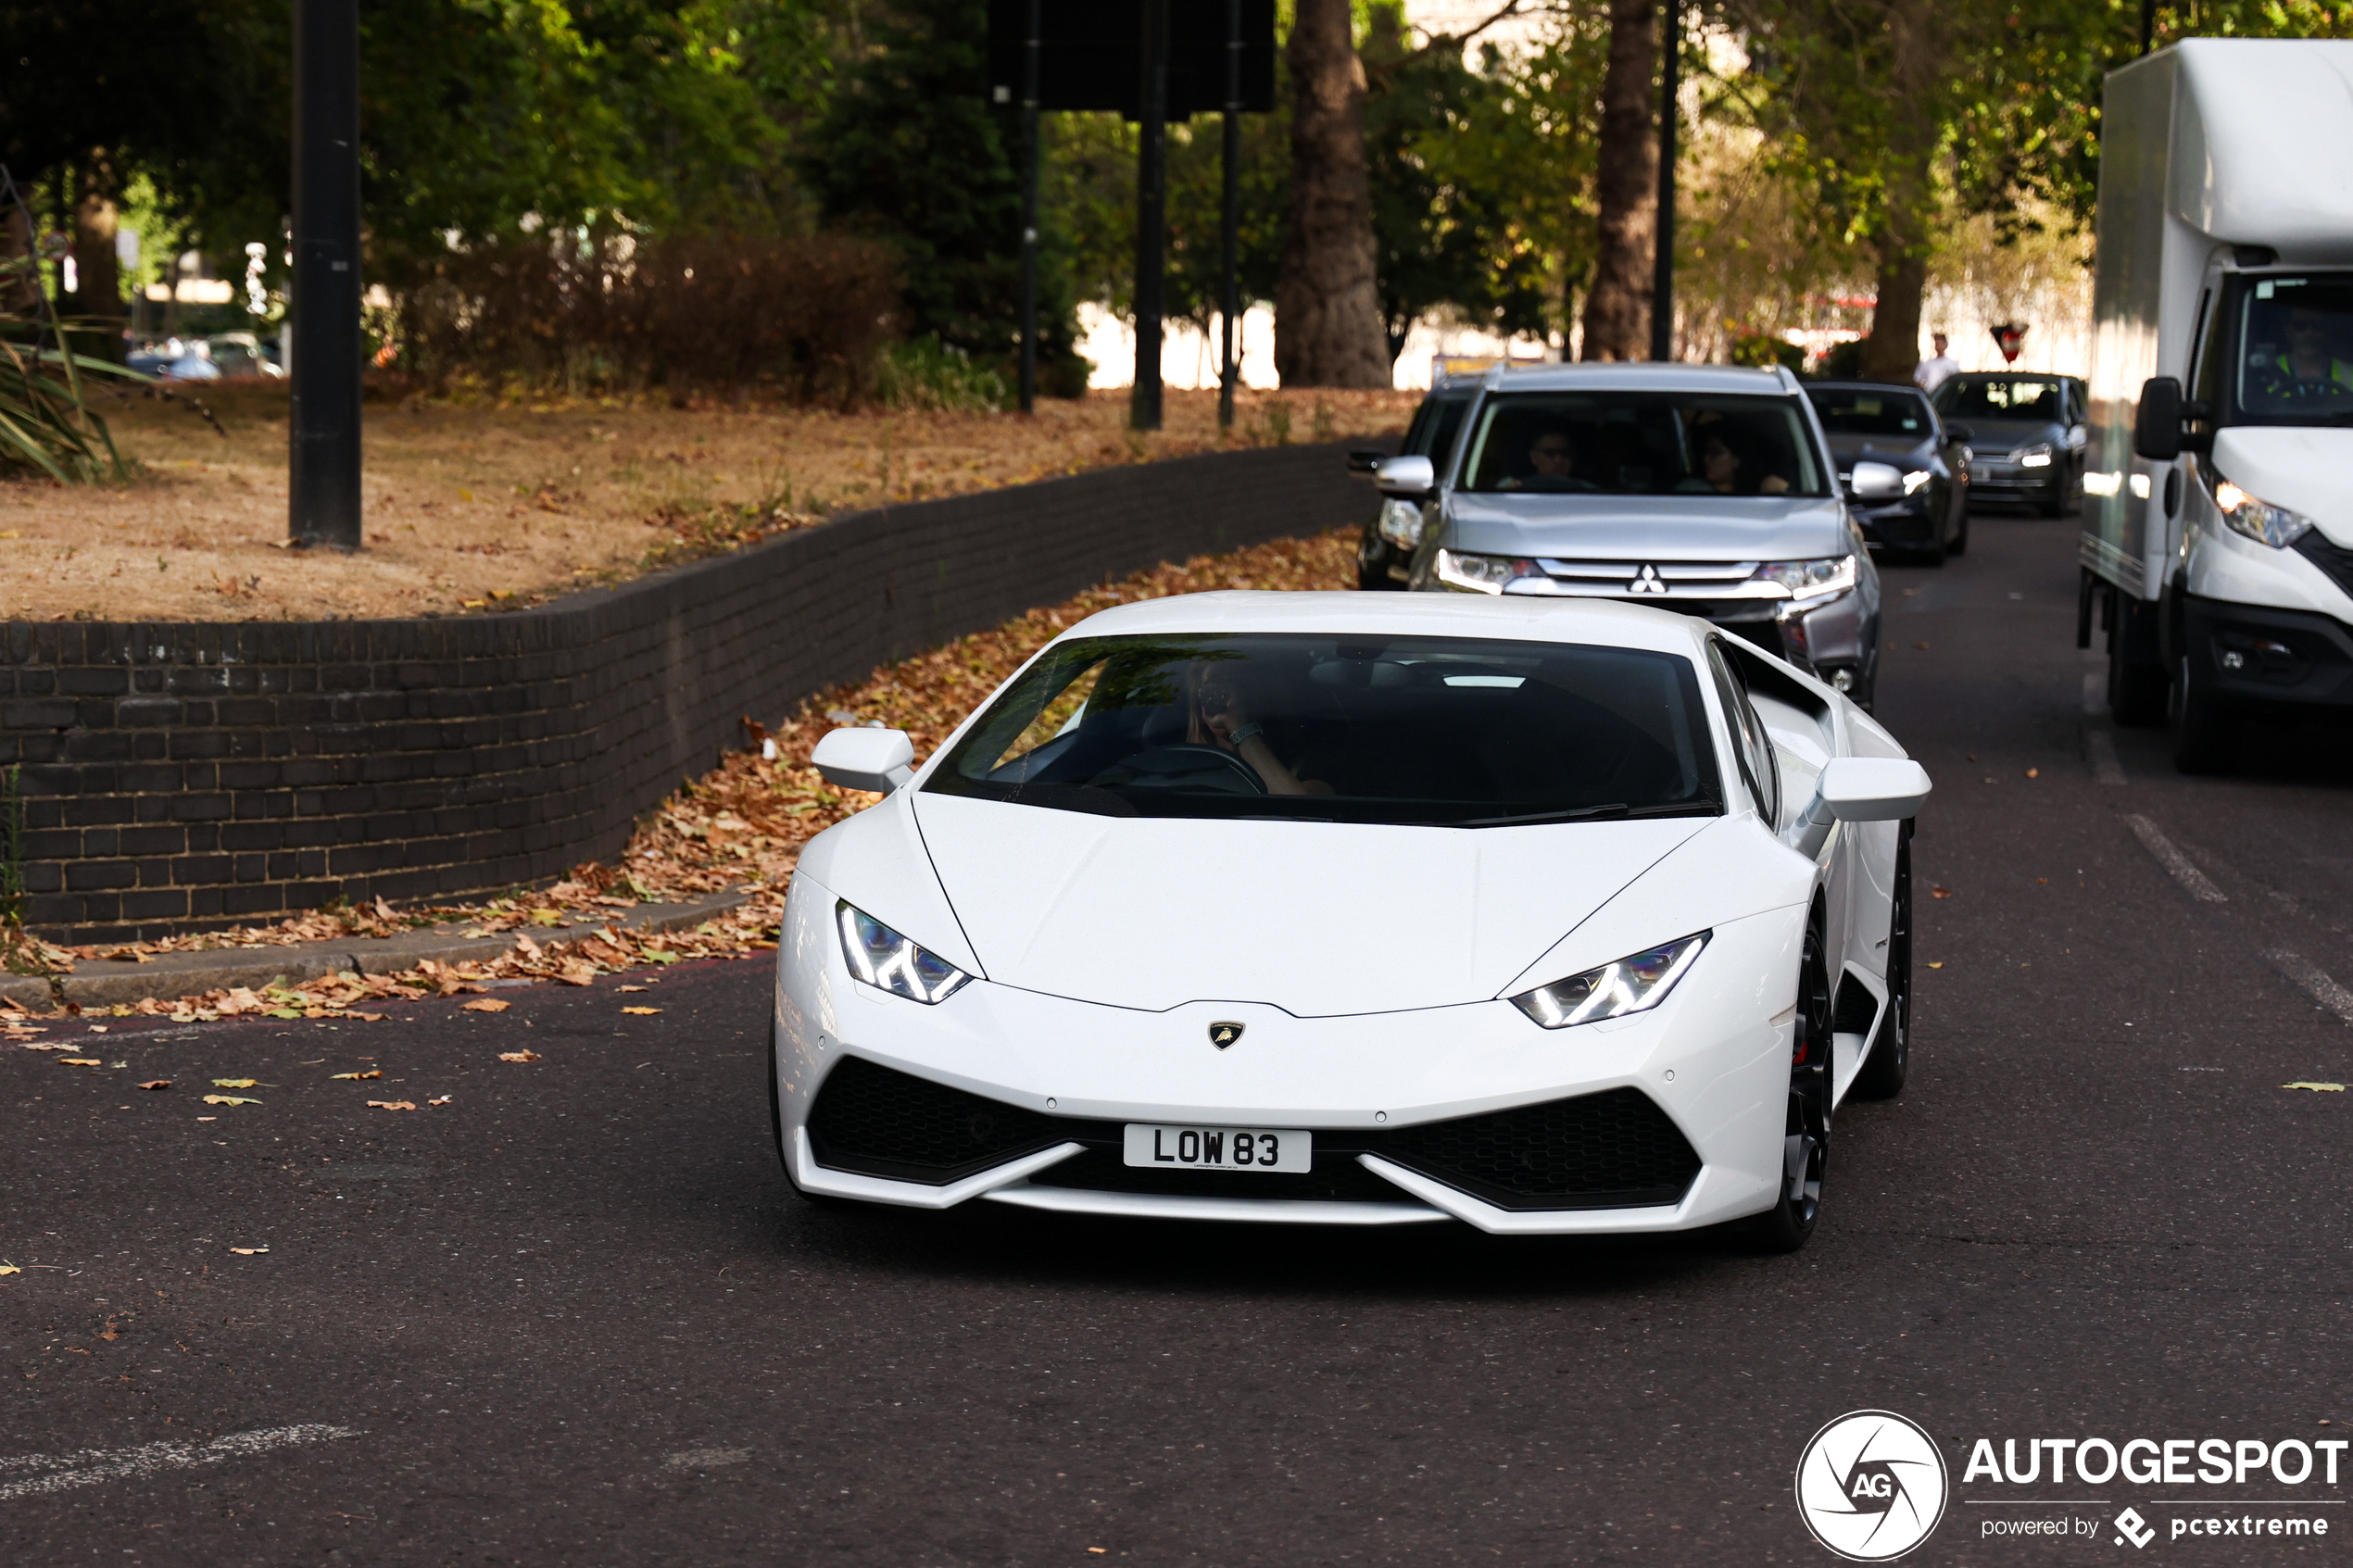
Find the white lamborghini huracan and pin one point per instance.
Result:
(1358, 908)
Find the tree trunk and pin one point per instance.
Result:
(1917, 54)
(1617, 311)
(1329, 330)
(20, 271)
(98, 276)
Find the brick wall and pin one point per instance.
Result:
(180, 775)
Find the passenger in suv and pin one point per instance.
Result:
(1700, 488)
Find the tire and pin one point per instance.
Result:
(1372, 564)
(1806, 1138)
(2136, 693)
(2206, 725)
(1883, 1072)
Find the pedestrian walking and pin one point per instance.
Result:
(1938, 368)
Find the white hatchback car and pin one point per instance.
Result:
(1357, 908)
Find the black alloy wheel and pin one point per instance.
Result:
(1806, 1138)
(1959, 547)
(1883, 1072)
(2206, 725)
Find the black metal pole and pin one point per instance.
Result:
(1152, 213)
(324, 486)
(1663, 275)
(1229, 283)
(2149, 24)
(1029, 214)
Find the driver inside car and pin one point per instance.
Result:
(1220, 716)
(1552, 461)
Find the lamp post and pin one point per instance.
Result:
(1151, 211)
(324, 447)
(1663, 262)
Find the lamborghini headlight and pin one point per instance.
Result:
(1810, 579)
(2275, 526)
(1630, 985)
(887, 961)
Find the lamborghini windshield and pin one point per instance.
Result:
(1442, 731)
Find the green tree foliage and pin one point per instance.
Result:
(910, 152)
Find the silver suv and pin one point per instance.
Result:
(1700, 488)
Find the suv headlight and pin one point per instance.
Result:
(2035, 456)
(1481, 574)
(1401, 523)
(887, 961)
(2275, 526)
(1809, 579)
(1630, 985)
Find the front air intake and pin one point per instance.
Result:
(879, 1122)
(1612, 1150)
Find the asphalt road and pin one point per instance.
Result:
(574, 1315)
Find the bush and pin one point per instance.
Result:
(927, 373)
(806, 317)
(1763, 350)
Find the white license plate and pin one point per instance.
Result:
(1272, 1150)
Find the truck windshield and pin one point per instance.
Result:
(2295, 353)
(1641, 444)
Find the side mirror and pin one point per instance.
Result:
(1873, 789)
(1961, 433)
(867, 759)
(2157, 424)
(1405, 476)
(1364, 461)
(1877, 481)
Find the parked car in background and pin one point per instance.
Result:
(1905, 472)
(1707, 489)
(2027, 435)
(1385, 554)
(238, 356)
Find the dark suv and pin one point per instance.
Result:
(1386, 553)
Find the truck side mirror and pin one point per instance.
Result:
(2157, 425)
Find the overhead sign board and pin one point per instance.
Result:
(1089, 54)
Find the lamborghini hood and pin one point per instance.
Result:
(1320, 918)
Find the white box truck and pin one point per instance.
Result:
(2218, 533)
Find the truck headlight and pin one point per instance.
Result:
(2275, 526)
(1401, 523)
(887, 961)
(1481, 574)
(2035, 456)
(1809, 579)
(1631, 984)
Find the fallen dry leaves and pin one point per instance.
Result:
(741, 826)
(157, 1083)
(393, 1104)
(642, 1012)
(519, 1056)
(371, 1072)
(228, 1099)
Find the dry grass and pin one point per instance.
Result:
(470, 506)
(741, 826)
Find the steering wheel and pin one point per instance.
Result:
(1175, 757)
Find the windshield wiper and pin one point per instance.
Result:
(1587, 814)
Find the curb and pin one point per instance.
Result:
(97, 982)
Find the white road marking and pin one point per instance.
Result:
(53, 1472)
(2100, 747)
(2172, 860)
(2315, 980)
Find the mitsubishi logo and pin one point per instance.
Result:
(1646, 581)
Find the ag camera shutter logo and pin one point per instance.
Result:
(1871, 1486)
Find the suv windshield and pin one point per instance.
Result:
(1640, 443)
(1999, 398)
(1440, 730)
(1846, 410)
(2296, 362)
